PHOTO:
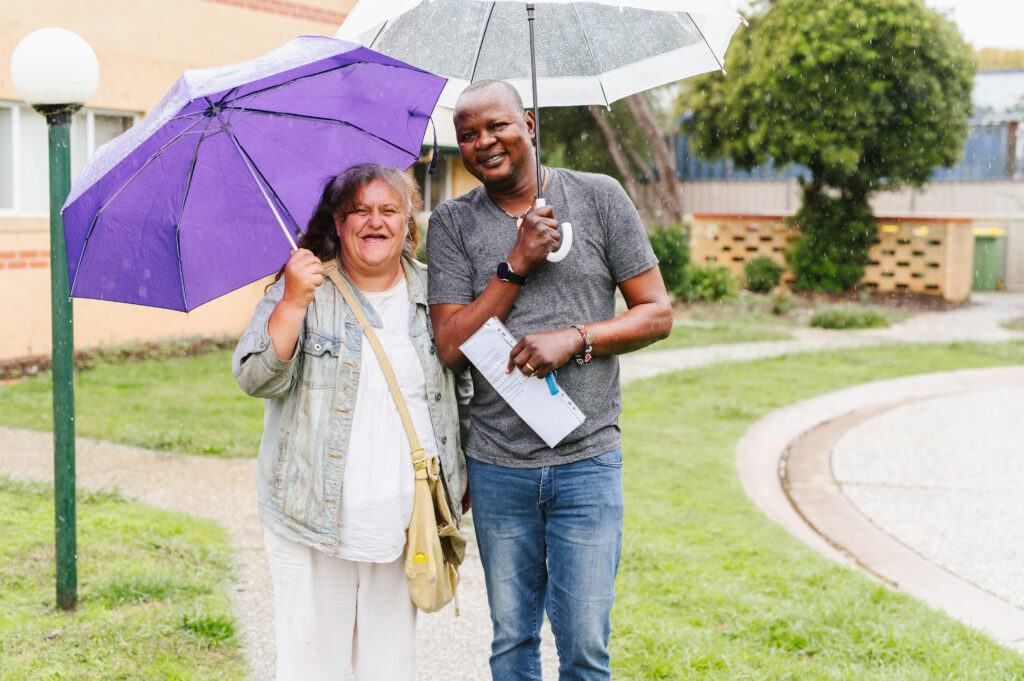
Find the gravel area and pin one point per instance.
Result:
(943, 476)
(225, 490)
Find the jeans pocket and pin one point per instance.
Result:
(612, 459)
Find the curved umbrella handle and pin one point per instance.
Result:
(566, 244)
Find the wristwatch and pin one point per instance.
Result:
(505, 273)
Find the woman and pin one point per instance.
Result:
(335, 475)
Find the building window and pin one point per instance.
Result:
(6, 159)
(24, 152)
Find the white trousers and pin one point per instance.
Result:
(338, 619)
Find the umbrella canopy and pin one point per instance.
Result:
(203, 196)
(586, 52)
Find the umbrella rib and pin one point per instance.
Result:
(253, 170)
(590, 50)
(377, 36)
(181, 211)
(96, 217)
(278, 86)
(480, 42)
(222, 101)
(317, 119)
(701, 34)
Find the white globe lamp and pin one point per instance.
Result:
(54, 70)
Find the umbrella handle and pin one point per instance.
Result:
(563, 249)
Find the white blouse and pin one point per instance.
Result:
(377, 490)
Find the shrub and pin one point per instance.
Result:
(1013, 324)
(673, 253)
(711, 284)
(782, 301)
(210, 630)
(763, 274)
(848, 317)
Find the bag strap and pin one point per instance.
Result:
(419, 457)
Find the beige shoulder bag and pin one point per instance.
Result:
(434, 546)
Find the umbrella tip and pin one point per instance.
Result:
(432, 166)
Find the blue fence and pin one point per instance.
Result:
(985, 153)
(984, 156)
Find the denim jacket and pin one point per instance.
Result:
(309, 401)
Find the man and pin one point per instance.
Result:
(548, 521)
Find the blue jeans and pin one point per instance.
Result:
(550, 538)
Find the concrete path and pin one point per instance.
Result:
(225, 490)
(915, 479)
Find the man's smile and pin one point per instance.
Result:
(493, 159)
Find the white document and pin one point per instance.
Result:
(551, 416)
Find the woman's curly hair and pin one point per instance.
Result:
(337, 198)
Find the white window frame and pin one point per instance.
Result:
(16, 109)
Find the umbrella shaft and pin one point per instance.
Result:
(536, 112)
(256, 179)
(263, 191)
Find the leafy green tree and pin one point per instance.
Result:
(868, 94)
(626, 141)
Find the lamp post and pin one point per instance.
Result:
(56, 72)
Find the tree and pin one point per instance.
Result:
(868, 94)
(629, 145)
(998, 58)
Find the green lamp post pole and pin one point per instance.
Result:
(55, 71)
(62, 330)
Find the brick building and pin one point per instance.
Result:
(142, 48)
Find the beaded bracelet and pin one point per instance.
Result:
(588, 346)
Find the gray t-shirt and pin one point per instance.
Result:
(467, 238)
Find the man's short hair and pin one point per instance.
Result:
(484, 84)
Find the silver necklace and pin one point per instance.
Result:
(519, 218)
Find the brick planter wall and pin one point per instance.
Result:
(933, 256)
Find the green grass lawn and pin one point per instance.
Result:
(189, 405)
(708, 587)
(152, 588)
(688, 335)
(711, 589)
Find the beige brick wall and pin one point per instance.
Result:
(933, 256)
(25, 329)
(142, 47)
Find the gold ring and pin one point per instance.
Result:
(532, 370)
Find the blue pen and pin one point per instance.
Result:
(552, 386)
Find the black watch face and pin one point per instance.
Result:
(503, 270)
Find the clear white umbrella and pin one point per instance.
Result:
(586, 52)
(555, 52)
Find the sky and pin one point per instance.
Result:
(983, 23)
(987, 23)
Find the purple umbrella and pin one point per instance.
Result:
(204, 195)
